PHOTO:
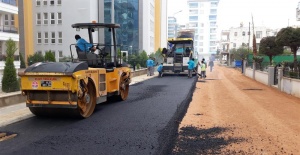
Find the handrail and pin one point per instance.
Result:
(9, 29)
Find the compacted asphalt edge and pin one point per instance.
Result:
(167, 137)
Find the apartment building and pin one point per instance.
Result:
(298, 12)
(236, 37)
(203, 18)
(8, 30)
(172, 27)
(52, 19)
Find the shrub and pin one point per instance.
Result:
(49, 56)
(138, 66)
(9, 80)
(36, 57)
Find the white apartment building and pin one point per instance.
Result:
(203, 18)
(148, 28)
(8, 30)
(53, 19)
(172, 27)
(52, 24)
(239, 36)
(298, 12)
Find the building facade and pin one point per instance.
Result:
(8, 30)
(51, 22)
(237, 37)
(203, 18)
(172, 27)
(298, 12)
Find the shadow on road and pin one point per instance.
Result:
(192, 140)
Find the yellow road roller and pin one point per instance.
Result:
(75, 87)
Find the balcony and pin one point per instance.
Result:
(8, 6)
(8, 29)
(10, 2)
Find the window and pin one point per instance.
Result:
(235, 34)
(193, 18)
(60, 37)
(244, 33)
(58, 2)
(193, 5)
(258, 34)
(200, 49)
(201, 37)
(213, 24)
(53, 37)
(200, 43)
(52, 18)
(193, 24)
(12, 19)
(234, 45)
(212, 17)
(51, 2)
(38, 2)
(6, 20)
(193, 11)
(152, 10)
(213, 30)
(39, 37)
(213, 11)
(45, 2)
(60, 53)
(38, 19)
(39, 52)
(46, 38)
(214, 4)
(45, 18)
(59, 19)
(201, 31)
(202, 25)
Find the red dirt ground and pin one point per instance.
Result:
(243, 116)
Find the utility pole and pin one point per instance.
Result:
(254, 39)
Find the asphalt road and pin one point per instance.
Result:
(146, 123)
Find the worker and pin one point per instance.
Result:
(150, 64)
(159, 70)
(83, 45)
(191, 65)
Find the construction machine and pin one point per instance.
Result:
(74, 88)
(179, 52)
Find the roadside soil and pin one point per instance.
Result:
(233, 114)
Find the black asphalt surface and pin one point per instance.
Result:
(146, 123)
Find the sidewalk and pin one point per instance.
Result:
(18, 112)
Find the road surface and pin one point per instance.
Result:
(146, 123)
(233, 114)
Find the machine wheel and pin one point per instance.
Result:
(87, 104)
(124, 90)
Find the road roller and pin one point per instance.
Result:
(74, 88)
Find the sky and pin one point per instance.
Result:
(270, 13)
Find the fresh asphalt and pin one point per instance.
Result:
(146, 123)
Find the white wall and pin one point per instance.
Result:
(261, 77)
(164, 23)
(146, 30)
(291, 86)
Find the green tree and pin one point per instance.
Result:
(240, 54)
(143, 58)
(36, 57)
(23, 65)
(9, 81)
(269, 47)
(49, 56)
(289, 37)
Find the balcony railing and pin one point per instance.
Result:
(10, 2)
(9, 29)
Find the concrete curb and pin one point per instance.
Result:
(16, 97)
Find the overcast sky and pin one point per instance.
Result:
(269, 13)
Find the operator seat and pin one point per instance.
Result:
(89, 57)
